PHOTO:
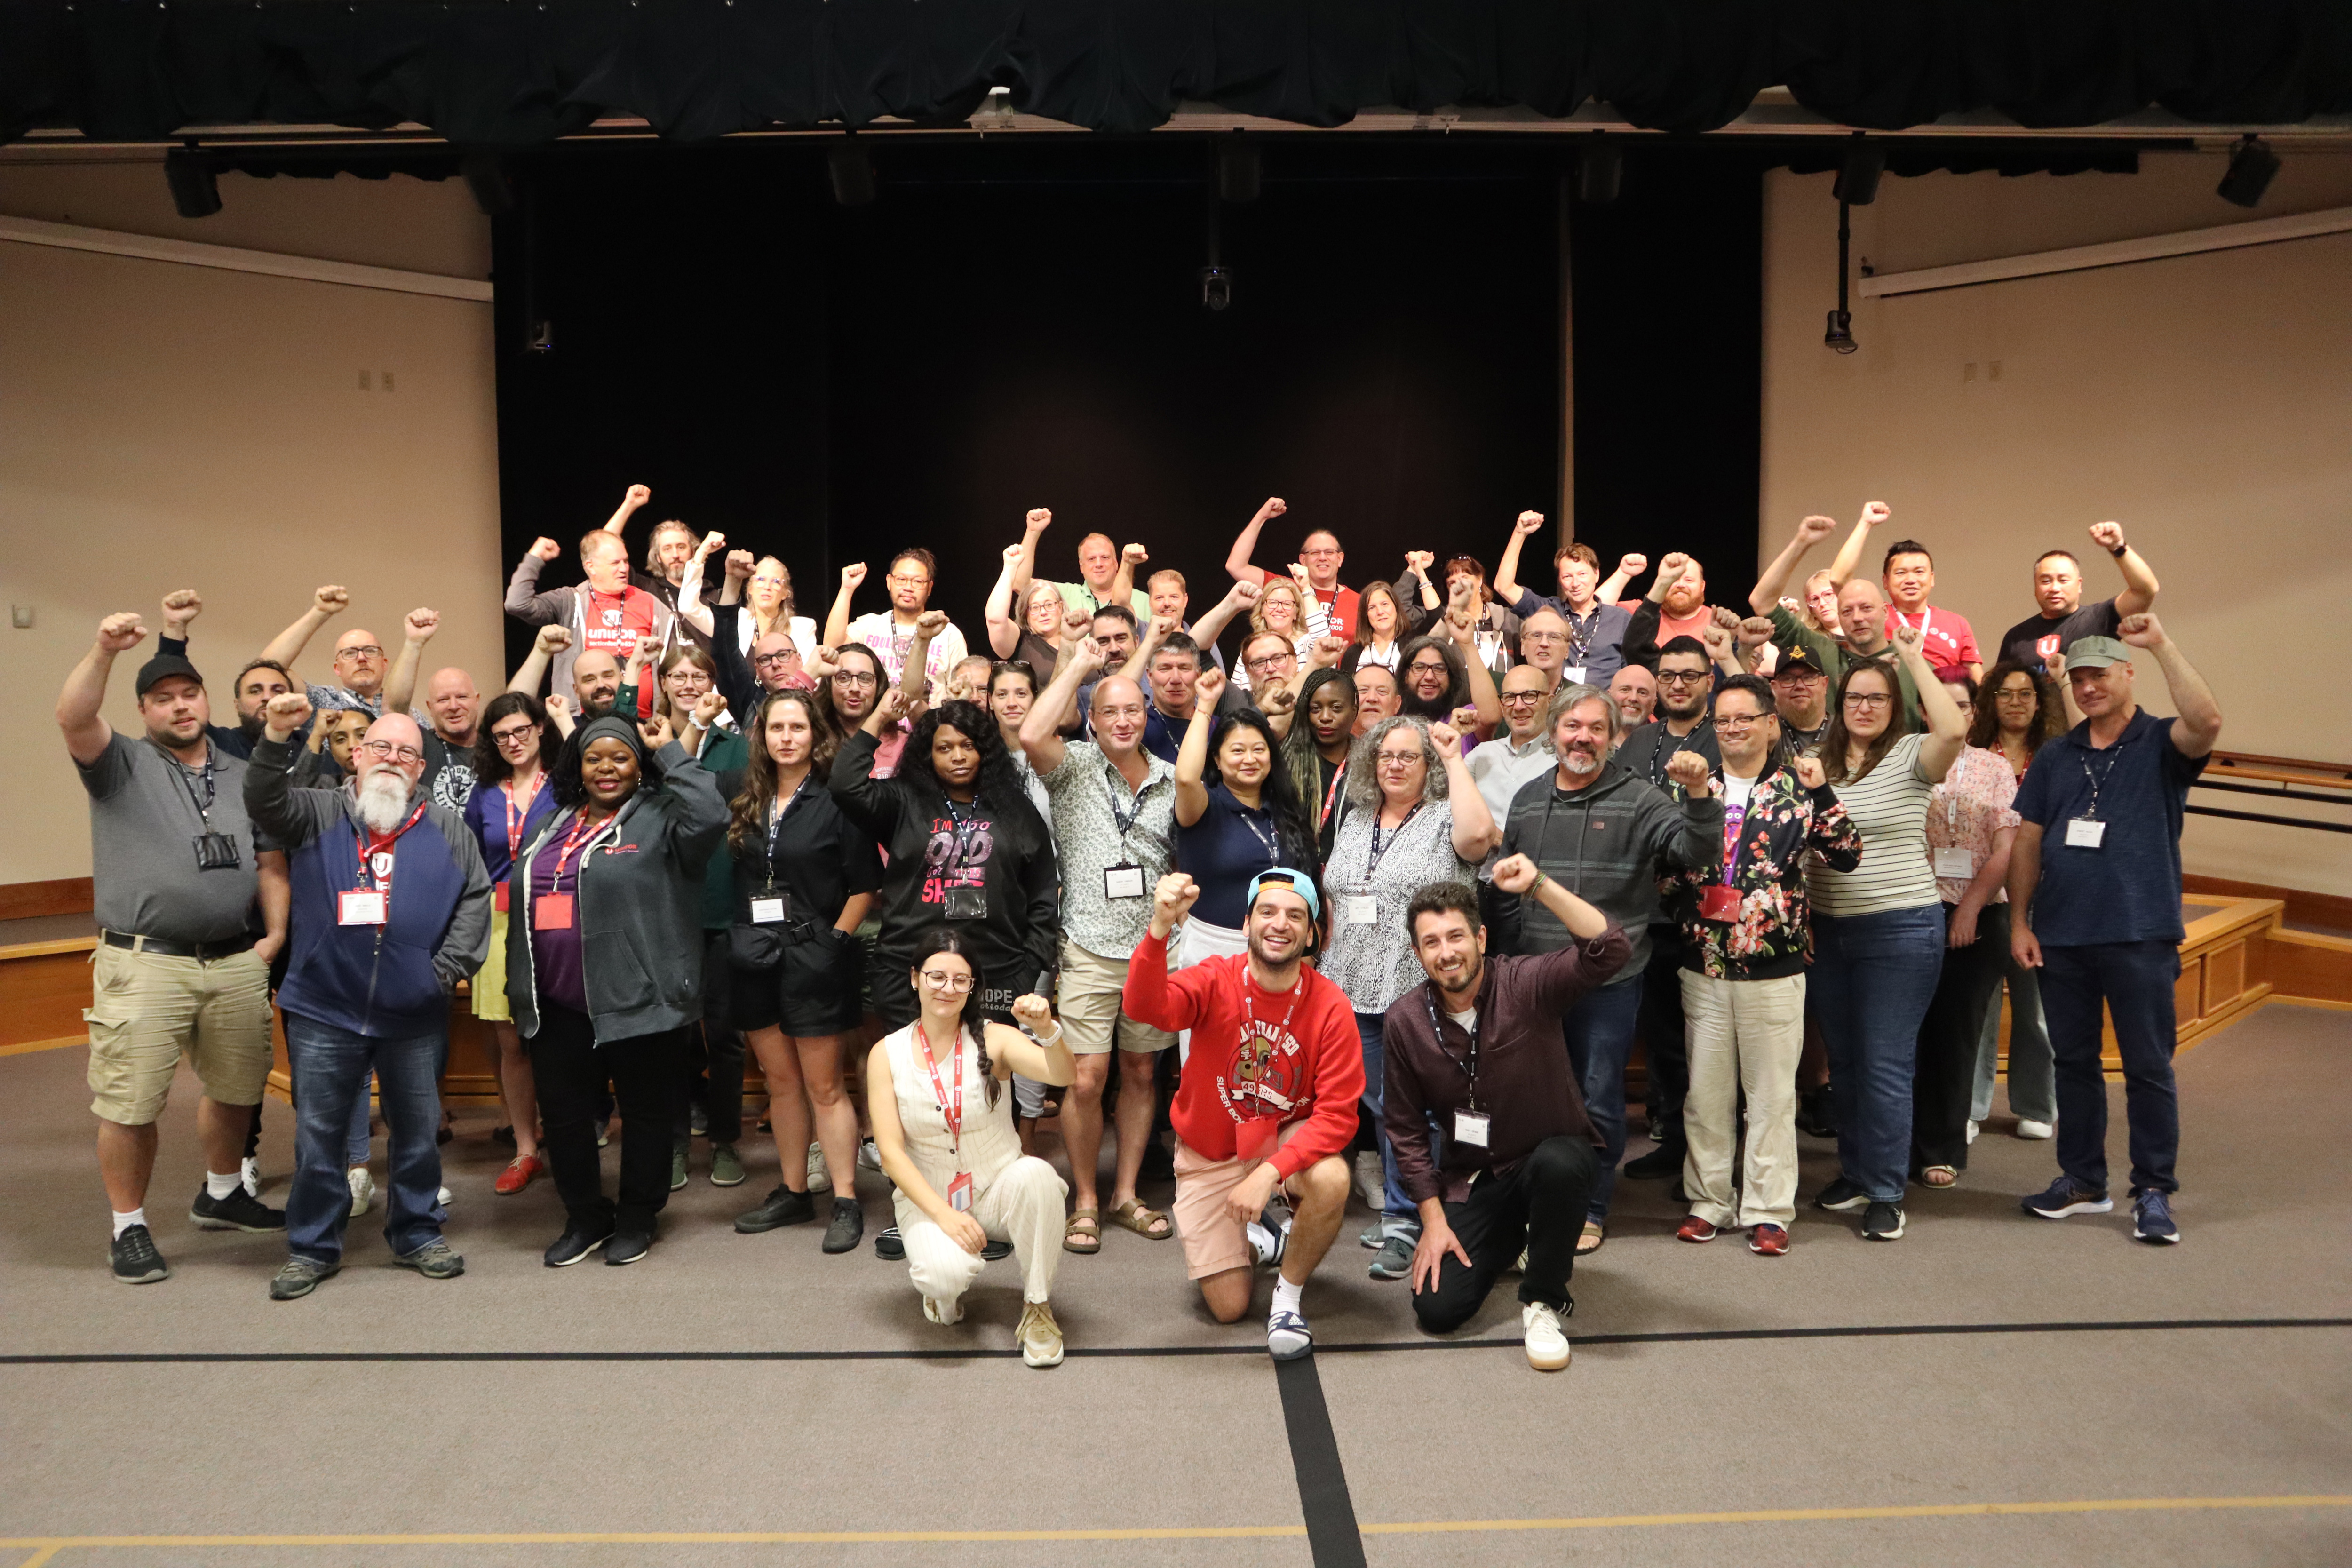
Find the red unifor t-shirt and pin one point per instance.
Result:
(1256, 1056)
(614, 623)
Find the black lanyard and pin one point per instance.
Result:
(1580, 637)
(2099, 778)
(1469, 1065)
(1123, 824)
(777, 811)
(180, 770)
(1373, 865)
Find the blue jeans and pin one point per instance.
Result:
(2031, 1094)
(2136, 980)
(330, 1067)
(1399, 1212)
(1600, 1031)
(1871, 979)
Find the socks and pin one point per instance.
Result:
(217, 1186)
(123, 1222)
(1286, 1297)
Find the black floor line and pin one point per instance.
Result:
(1364, 1347)
(1330, 1514)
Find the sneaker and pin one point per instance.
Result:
(726, 1167)
(362, 1193)
(1972, 1131)
(626, 1247)
(2063, 1198)
(136, 1261)
(1373, 1234)
(1393, 1261)
(946, 1314)
(238, 1211)
(1883, 1222)
(300, 1277)
(518, 1175)
(820, 1178)
(1665, 1160)
(890, 1246)
(603, 1130)
(1287, 1337)
(572, 1246)
(1694, 1228)
(1371, 1182)
(2036, 1130)
(1547, 1349)
(435, 1260)
(1770, 1240)
(2152, 1219)
(1039, 1336)
(676, 1166)
(869, 1155)
(1841, 1195)
(783, 1207)
(445, 1197)
(697, 1120)
(248, 1176)
(848, 1226)
(1265, 1246)
(1521, 1267)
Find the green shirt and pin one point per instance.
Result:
(1834, 657)
(1079, 599)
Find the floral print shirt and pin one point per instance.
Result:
(1967, 810)
(1770, 933)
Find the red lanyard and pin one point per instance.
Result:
(374, 845)
(954, 1118)
(1330, 794)
(580, 831)
(516, 818)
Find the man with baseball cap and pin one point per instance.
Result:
(191, 905)
(1801, 689)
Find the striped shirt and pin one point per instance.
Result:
(1889, 806)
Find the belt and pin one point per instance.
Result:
(201, 952)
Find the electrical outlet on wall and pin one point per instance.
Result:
(21, 616)
(364, 379)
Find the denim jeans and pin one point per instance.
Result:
(2032, 1094)
(330, 1068)
(1871, 978)
(358, 1150)
(2135, 979)
(1600, 1033)
(1665, 1032)
(1400, 1213)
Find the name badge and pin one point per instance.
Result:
(1719, 903)
(1571, 675)
(363, 908)
(1470, 1127)
(771, 912)
(499, 897)
(960, 1193)
(2084, 833)
(967, 903)
(551, 911)
(1360, 910)
(1123, 880)
(1955, 863)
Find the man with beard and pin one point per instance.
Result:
(900, 633)
(453, 704)
(183, 889)
(605, 614)
(358, 655)
(1800, 696)
(256, 684)
(1635, 689)
(1675, 606)
(1596, 827)
(668, 551)
(391, 909)
(1267, 1101)
(595, 677)
(1476, 1053)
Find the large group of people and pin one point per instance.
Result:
(1374, 902)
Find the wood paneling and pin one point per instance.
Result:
(22, 901)
(2319, 968)
(2305, 909)
(43, 987)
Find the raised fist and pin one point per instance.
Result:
(545, 549)
(1039, 517)
(1718, 639)
(893, 705)
(1161, 628)
(1246, 593)
(1420, 561)
(181, 606)
(419, 624)
(1207, 687)
(553, 639)
(638, 495)
(1275, 506)
(647, 647)
(1446, 739)
(558, 707)
(711, 544)
(1135, 556)
(1910, 639)
(655, 730)
(739, 565)
(1299, 576)
(1175, 894)
(1281, 700)
(1528, 522)
(1632, 565)
(1327, 651)
(1087, 656)
(287, 713)
(1032, 1013)
(1012, 553)
(2141, 630)
(1815, 529)
(1689, 770)
(1514, 874)
(1671, 569)
(120, 632)
(852, 575)
(1810, 773)
(333, 599)
(1754, 630)
(1727, 619)
(1875, 512)
(1464, 718)
(706, 709)
(2108, 536)
(931, 623)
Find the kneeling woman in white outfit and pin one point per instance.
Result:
(943, 1124)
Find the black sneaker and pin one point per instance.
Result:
(1841, 1195)
(1884, 1222)
(572, 1246)
(300, 1277)
(435, 1260)
(784, 1207)
(889, 1245)
(238, 1211)
(628, 1246)
(995, 1251)
(1665, 1160)
(1813, 1116)
(136, 1261)
(848, 1226)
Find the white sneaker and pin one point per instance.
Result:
(1547, 1349)
(248, 1175)
(1972, 1131)
(869, 1155)
(362, 1191)
(1371, 1182)
(1039, 1336)
(445, 1197)
(1265, 1246)
(2035, 1129)
(820, 1180)
(945, 1314)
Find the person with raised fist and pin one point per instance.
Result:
(2040, 641)
(902, 637)
(1596, 629)
(1862, 613)
(1908, 575)
(262, 678)
(1326, 608)
(606, 614)
(358, 661)
(452, 704)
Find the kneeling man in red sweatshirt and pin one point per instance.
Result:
(1267, 1099)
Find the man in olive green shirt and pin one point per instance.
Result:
(1862, 615)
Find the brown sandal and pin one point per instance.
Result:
(1132, 1215)
(1590, 1237)
(1082, 1241)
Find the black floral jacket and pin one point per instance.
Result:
(1771, 934)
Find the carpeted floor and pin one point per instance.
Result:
(755, 1387)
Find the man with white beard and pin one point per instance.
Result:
(391, 909)
(1604, 834)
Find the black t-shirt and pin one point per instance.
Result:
(448, 773)
(1649, 747)
(820, 859)
(2038, 639)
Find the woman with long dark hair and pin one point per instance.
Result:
(510, 803)
(2018, 712)
(604, 966)
(803, 879)
(1314, 752)
(1236, 816)
(943, 1125)
(1380, 625)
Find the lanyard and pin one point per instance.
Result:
(1372, 864)
(596, 610)
(1580, 637)
(518, 815)
(2099, 778)
(203, 805)
(579, 832)
(1249, 1012)
(1468, 1066)
(952, 1117)
(1331, 793)
(1122, 823)
(378, 844)
(777, 810)
(1266, 841)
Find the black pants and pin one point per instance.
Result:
(715, 1048)
(571, 1070)
(1541, 1207)
(1945, 1079)
(1663, 1046)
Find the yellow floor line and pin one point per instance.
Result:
(62, 1043)
(47, 1547)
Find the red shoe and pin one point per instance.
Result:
(518, 1175)
(1771, 1240)
(1695, 1229)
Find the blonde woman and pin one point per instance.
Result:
(767, 599)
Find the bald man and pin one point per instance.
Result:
(360, 662)
(1860, 610)
(453, 710)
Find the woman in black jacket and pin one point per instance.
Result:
(967, 850)
(604, 966)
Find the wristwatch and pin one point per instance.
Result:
(2118, 550)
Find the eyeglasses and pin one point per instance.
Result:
(855, 677)
(1521, 698)
(1397, 758)
(1681, 676)
(1420, 668)
(900, 580)
(1319, 551)
(2022, 695)
(941, 980)
(789, 656)
(1271, 661)
(1867, 699)
(390, 752)
(364, 651)
(1735, 724)
(1543, 636)
(1797, 677)
(514, 737)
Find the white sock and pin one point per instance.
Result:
(217, 1186)
(123, 1222)
(1286, 1297)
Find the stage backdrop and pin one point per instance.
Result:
(1010, 327)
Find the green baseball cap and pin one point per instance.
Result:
(2091, 653)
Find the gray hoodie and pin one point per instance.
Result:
(1606, 843)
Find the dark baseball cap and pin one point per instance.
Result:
(1798, 656)
(163, 667)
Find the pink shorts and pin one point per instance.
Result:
(1214, 1240)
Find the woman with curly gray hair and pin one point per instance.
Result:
(1413, 817)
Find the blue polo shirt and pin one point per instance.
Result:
(2129, 889)
(1230, 844)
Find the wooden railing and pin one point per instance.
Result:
(2277, 778)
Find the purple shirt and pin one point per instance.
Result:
(555, 954)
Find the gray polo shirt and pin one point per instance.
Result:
(145, 813)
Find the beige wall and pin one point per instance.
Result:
(2204, 401)
(165, 426)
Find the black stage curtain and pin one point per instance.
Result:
(493, 73)
(1010, 327)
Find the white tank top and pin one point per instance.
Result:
(990, 1143)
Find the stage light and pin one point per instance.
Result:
(1857, 181)
(1216, 287)
(542, 339)
(1840, 335)
(853, 175)
(1237, 171)
(194, 190)
(486, 178)
(2253, 167)
(1600, 170)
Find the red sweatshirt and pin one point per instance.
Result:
(1302, 1059)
